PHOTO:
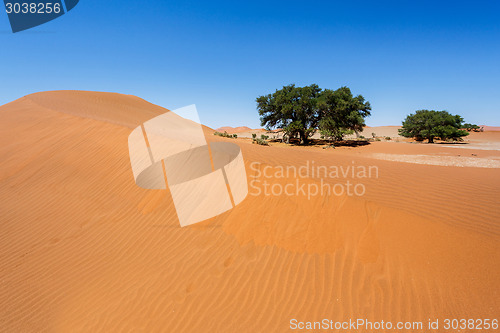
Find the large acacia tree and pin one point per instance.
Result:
(293, 109)
(431, 124)
(300, 111)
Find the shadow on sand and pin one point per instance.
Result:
(320, 142)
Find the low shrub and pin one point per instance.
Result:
(261, 142)
(226, 135)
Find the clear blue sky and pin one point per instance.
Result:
(220, 55)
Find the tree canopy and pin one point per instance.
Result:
(300, 111)
(431, 124)
(341, 113)
(471, 127)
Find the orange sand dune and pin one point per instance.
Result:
(233, 130)
(240, 129)
(83, 249)
(491, 128)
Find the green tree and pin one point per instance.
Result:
(331, 130)
(293, 109)
(431, 124)
(300, 111)
(341, 113)
(471, 127)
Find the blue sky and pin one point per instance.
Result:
(220, 55)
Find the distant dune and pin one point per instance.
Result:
(491, 128)
(233, 130)
(83, 249)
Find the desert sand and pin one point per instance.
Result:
(83, 249)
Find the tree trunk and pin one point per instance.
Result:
(303, 138)
(431, 139)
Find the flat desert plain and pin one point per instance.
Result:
(83, 249)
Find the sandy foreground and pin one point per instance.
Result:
(83, 249)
